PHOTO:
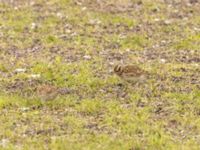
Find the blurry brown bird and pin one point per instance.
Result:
(50, 92)
(131, 73)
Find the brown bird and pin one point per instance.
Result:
(50, 92)
(131, 73)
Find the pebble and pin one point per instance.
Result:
(20, 70)
(88, 57)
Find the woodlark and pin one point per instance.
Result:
(131, 73)
(50, 92)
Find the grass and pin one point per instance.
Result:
(75, 45)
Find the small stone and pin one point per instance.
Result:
(68, 31)
(163, 41)
(111, 63)
(163, 60)
(196, 65)
(94, 21)
(156, 19)
(185, 18)
(33, 25)
(35, 76)
(156, 46)
(59, 15)
(32, 3)
(167, 22)
(20, 70)
(24, 109)
(196, 29)
(88, 57)
(84, 8)
(4, 142)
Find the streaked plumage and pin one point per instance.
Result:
(131, 73)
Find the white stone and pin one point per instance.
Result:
(163, 60)
(33, 25)
(87, 57)
(156, 19)
(20, 70)
(59, 15)
(4, 142)
(84, 8)
(35, 76)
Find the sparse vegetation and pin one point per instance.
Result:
(75, 44)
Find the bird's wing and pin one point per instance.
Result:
(134, 70)
(46, 89)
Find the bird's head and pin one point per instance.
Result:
(118, 69)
